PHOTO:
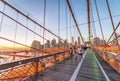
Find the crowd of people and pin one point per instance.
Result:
(77, 52)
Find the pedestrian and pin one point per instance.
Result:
(75, 49)
(71, 52)
(75, 54)
(80, 51)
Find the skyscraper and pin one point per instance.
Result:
(35, 44)
(79, 41)
(72, 40)
(96, 41)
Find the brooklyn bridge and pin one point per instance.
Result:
(59, 40)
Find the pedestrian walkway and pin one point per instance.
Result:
(90, 70)
(87, 69)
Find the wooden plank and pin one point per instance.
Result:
(113, 75)
(62, 71)
(90, 70)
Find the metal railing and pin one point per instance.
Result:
(113, 59)
(18, 70)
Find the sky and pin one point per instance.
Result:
(35, 9)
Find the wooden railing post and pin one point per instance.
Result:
(36, 66)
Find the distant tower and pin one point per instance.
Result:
(35, 44)
(102, 42)
(96, 41)
(79, 41)
(72, 40)
(53, 43)
(47, 45)
(76, 43)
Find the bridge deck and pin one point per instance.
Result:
(88, 70)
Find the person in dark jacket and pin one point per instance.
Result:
(71, 52)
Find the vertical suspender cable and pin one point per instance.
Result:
(113, 24)
(2, 18)
(26, 36)
(58, 22)
(15, 30)
(99, 20)
(34, 30)
(44, 19)
(70, 30)
(69, 6)
(93, 22)
(59, 18)
(15, 35)
(91, 26)
(88, 13)
(34, 39)
(73, 34)
(66, 24)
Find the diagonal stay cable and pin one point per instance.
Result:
(41, 26)
(69, 6)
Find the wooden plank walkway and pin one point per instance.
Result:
(113, 75)
(63, 71)
(90, 71)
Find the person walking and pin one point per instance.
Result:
(75, 49)
(75, 55)
(80, 51)
(71, 52)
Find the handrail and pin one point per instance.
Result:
(16, 63)
(110, 58)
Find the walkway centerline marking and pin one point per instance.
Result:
(78, 68)
(107, 78)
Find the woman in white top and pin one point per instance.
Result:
(80, 51)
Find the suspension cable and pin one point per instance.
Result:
(44, 19)
(26, 35)
(99, 19)
(70, 30)
(88, 13)
(112, 24)
(66, 24)
(93, 22)
(59, 18)
(2, 18)
(16, 30)
(22, 25)
(74, 20)
(74, 33)
(113, 39)
(40, 26)
(113, 34)
(59, 23)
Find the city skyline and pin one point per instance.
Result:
(52, 23)
(78, 6)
